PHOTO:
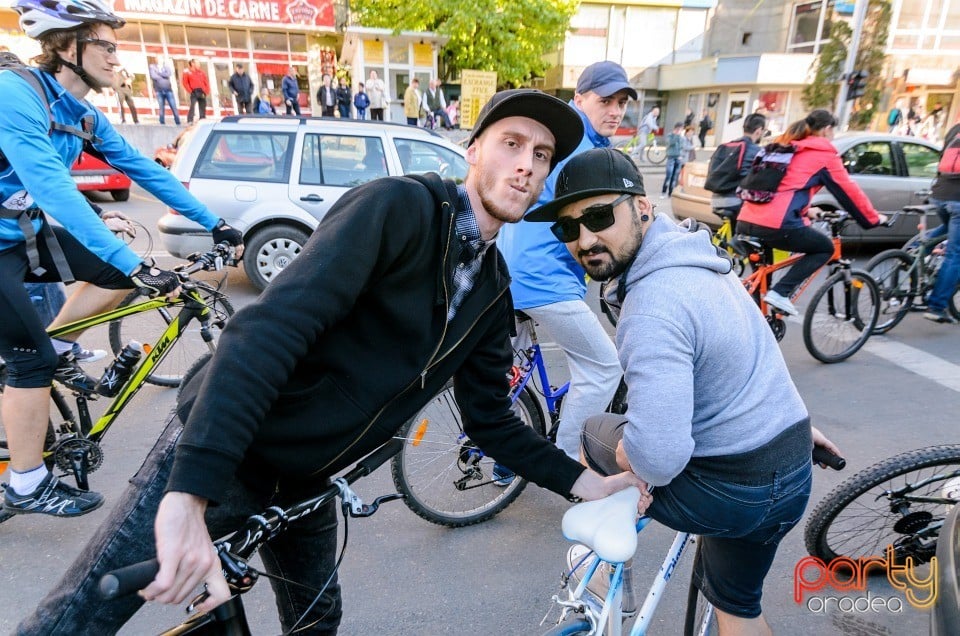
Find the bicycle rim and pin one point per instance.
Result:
(576, 627)
(882, 506)
(841, 316)
(447, 480)
(898, 281)
(147, 326)
(700, 619)
(656, 154)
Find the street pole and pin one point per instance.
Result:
(843, 106)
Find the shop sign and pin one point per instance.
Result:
(476, 89)
(302, 12)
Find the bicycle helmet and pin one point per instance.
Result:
(39, 17)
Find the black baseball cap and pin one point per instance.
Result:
(597, 171)
(604, 78)
(559, 118)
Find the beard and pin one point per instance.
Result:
(618, 262)
(487, 183)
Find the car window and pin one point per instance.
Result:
(418, 156)
(869, 158)
(341, 160)
(921, 160)
(245, 156)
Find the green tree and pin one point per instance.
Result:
(486, 35)
(828, 67)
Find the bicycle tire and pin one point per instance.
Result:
(700, 618)
(826, 319)
(432, 462)
(185, 350)
(571, 628)
(857, 519)
(899, 284)
(656, 154)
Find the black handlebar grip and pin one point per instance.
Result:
(128, 580)
(822, 456)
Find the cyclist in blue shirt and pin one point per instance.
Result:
(39, 141)
(549, 285)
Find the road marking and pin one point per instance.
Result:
(912, 359)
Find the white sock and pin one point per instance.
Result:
(26, 483)
(61, 346)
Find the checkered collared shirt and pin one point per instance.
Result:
(472, 246)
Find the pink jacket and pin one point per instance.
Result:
(815, 165)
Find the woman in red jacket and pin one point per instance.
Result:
(783, 222)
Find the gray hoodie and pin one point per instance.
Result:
(705, 374)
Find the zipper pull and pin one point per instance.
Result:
(423, 379)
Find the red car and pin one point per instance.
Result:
(89, 173)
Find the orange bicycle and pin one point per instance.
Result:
(843, 311)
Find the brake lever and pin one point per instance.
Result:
(364, 510)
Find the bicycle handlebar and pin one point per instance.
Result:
(822, 456)
(257, 530)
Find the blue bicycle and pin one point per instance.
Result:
(445, 477)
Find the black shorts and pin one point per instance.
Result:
(24, 344)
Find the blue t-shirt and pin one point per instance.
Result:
(542, 269)
(37, 171)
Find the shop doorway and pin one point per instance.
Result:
(737, 110)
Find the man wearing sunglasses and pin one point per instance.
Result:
(714, 421)
(39, 142)
(549, 285)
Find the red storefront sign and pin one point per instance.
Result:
(312, 13)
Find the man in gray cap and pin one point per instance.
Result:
(399, 279)
(549, 285)
(714, 421)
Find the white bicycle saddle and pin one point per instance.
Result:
(607, 526)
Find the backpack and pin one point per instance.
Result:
(766, 173)
(949, 165)
(894, 117)
(723, 174)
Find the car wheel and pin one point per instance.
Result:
(270, 250)
(120, 195)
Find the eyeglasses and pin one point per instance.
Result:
(595, 218)
(110, 48)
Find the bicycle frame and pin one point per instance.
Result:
(524, 372)
(757, 283)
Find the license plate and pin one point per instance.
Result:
(89, 179)
(696, 181)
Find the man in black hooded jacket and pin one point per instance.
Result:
(400, 288)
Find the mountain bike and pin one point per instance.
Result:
(235, 552)
(844, 309)
(72, 442)
(449, 480)
(901, 501)
(906, 276)
(652, 152)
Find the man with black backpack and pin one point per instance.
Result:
(731, 162)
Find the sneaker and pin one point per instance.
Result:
(781, 303)
(940, 315)
(502, 476)
(84, 356)
(70, 374)
(52, 497)
(599, 585)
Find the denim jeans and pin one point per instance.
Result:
(592, 359)
(673, 174)
(166, 97)
(305, 553)
(949, 276)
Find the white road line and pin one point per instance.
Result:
(912, 359)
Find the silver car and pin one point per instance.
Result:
(274, 178)
(893, 171)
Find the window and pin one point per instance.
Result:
(238, 39)
(341, 160)
(245, 156)
(399, 53)
(806, 33)
(175, 34)
(130, 33)
(264, 41)
(921, 161)
(202, 37)
(869, 159)
(422, 156)
(151, 33)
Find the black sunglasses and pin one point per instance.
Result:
(109, 47)
(595, 218)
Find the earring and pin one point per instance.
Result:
(644, 218)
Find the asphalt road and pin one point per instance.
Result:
(402, 575)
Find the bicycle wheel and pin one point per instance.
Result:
(147, 326)
(841, 316)
(900, 501)
(700, 619)
(447, 480)
(656, 154)
(899, 283)
(570, 628)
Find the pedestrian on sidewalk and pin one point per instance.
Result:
(705, 125)
(160, 73)
(125, 94)
(675, 159)
(197, 85)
